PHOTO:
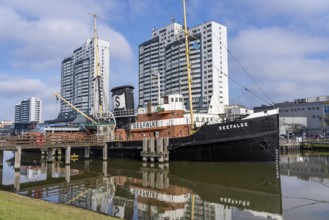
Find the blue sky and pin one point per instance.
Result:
(283, 45)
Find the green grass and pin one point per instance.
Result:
(13, 206)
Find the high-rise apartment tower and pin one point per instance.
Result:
(79, 85)
(162, 66)
(28, 110)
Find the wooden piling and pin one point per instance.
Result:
(17, 180)
(151, 178)
(151, 148)
(1, 159)
(68, 155)
(67, 173)
(155, 149)
(159, 149)
(49, 155)
(105, 168)
(105, 152)
(159, 180)
(145, 147)
(18, 156)
(1, 166)
(87, 165)
(144, 178)
(87, 152)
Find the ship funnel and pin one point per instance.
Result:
(123, 105)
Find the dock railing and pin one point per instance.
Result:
(28, 141)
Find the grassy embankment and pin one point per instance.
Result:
(13, 206)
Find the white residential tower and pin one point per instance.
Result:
(79, 85)
(162, 66)
(28, 110)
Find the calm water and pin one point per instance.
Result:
(297, 188)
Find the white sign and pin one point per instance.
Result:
(145, 124)
(119, 101)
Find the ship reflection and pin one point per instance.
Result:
(182, 190)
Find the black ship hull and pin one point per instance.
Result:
(249, 140)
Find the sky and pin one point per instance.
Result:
(278, 49)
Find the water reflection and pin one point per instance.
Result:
(305, 181)
(133, 190)
(305, 166)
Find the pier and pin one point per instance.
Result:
(51, 146)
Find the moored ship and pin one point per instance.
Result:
(164, 131)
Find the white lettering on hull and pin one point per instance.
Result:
(244, 203)
(145, 124)
(233, 126)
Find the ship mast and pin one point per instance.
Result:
(98, 69)
(188, 65)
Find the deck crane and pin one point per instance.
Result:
(104, 129)
(75, 108)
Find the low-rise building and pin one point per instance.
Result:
(6, 124)
(314, 109)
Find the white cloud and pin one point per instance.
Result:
(277, 41)
(285, 64)
(14, 89)
(43, 33)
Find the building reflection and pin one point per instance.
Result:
(132, 190)
(305, 166)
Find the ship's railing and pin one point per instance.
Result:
(233, 117)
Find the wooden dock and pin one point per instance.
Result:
(49, 141)
(52, 144)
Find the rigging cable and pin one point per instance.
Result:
(239, 64)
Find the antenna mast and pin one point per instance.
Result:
(188, 66)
